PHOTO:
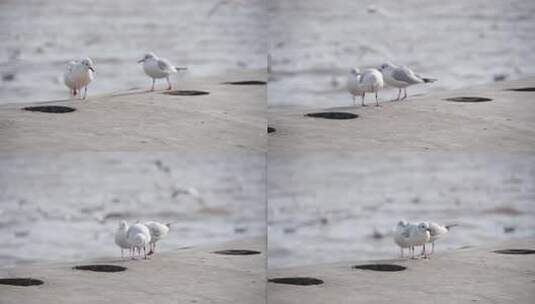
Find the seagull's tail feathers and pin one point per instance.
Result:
(429, 80)
(451, 226)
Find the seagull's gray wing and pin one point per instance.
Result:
(165, 65)
(404, 74)
(406, 233)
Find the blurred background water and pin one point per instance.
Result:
(313, 43)
(39, 37)
(331, 207)
(67, 206)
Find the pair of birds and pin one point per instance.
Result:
(140, 236)
(409, 235)
(372, 80)
(79, 74)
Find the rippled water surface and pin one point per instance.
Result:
(39, 37)
(67, 206)
(330, 207)
(462, 43)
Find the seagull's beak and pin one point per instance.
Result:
(92, 69)
(140, 61)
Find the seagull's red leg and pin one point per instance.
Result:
(169, 83)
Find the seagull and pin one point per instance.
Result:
(138, 237)
(353, 80)
(78, 75)
(401, 77)
(437, 231)
(369, 81)
(157, 68)
(157, 232)
(120, 237)
(402, 235)
(418, 236)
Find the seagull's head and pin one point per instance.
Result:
(386, 66)
(146, 57)
(88, 63)
(354, 71)
(122, 225)
(423, 226)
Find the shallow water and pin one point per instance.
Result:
(462, 43)
(331, 207)
(40, 37)
(67, 206)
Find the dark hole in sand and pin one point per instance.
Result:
(522, 89)
(237, 252)
(21, 282)
(515, 251)
(186, 93)
(101, 268)
(380, 267)
(246, 82)
(271, 129)
(333, 115)
(468, 99)
(50, 109)
(300, 281)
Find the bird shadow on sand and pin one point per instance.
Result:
(352, 108)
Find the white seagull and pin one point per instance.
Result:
(157, 232)
(402, 235)
(369, 81)
(401, 77)
(120, 237)
(157, 68)
(353, 87)
(138, 237)
(437, 231)
(419, 236)
(78, 75)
